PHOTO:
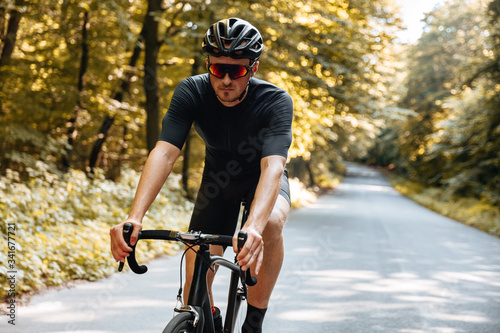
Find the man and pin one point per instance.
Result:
(246, 126)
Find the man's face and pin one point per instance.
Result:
(228, 91)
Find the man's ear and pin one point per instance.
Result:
(255, 68)
(206, 63)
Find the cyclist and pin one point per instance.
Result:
(246, 126)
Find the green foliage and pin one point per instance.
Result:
(19, 154)
(332, 57)
(468, 141)
(38, 89)
(446, 55)
(449, 138)
(62, 223)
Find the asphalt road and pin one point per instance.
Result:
(360, 259)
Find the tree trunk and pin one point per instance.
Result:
(124, 88)
(72, 130)
(150, 80)
(101, 137)
(312, 183)
(150, 74)
(9, 41)
(197, 65)
(3, 14)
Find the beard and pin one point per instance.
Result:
(230, 96)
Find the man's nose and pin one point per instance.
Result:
(226, 79)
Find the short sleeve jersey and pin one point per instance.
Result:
(236, 138)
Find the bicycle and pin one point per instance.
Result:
(196, 316)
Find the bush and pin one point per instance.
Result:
(62, 224)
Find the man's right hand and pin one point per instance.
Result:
(119, 247)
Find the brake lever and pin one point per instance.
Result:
(249, 279)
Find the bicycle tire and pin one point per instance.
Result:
(182, 323)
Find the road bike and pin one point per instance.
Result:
(197, 316)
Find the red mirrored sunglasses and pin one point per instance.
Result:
(234, 71)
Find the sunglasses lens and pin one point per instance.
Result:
(234, 71)
(238, 71)
(216, 70)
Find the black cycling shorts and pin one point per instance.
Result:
(218, 202)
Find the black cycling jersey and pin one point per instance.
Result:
(236, 138)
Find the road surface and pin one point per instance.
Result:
(360, 259)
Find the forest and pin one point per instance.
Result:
(84, 85)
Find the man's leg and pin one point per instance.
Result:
(211, 214)
(259, 295)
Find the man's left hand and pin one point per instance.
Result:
(253, 250)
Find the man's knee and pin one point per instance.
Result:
(277, 219)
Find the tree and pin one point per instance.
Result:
(8, 40)
(445, 56)
(72, 123)
(164, 24)
(124, 89)
(452, 138)
(330, 56)
(468, 138)
(150, 72)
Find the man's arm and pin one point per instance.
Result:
(158, 166)
(267, 191)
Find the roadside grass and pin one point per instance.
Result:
(59, 225)
(476, 213)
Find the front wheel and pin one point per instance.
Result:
(182, 323)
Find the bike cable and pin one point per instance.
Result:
(188, 247)
(179, 293)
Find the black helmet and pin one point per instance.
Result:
(233, 38)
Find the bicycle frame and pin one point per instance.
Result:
(198, 299)
(234, 298)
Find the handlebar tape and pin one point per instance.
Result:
(249, 279)
(158, 234)
(132, 262)
(127, 231)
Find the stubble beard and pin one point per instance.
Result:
(228, 97)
